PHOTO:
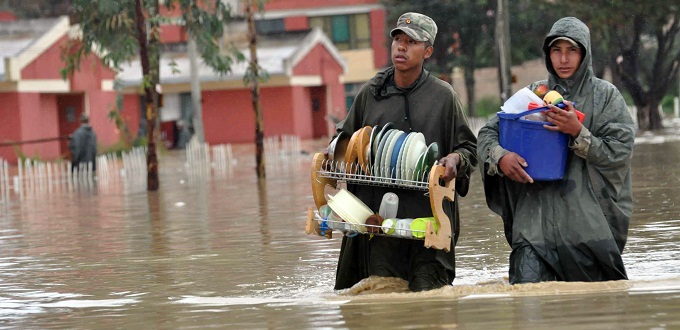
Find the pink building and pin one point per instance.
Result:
(36, 105)
(304, 86)
(318, 54)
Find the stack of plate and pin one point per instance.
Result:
(394, 154)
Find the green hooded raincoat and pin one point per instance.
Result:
(573, 229)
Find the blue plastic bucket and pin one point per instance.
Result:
(545, 151)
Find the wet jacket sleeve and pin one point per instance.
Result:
(465, 144)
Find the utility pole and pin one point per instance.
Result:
(503, 48)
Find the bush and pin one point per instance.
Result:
(487, 106)
(667, 104)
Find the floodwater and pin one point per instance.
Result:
(224, 252)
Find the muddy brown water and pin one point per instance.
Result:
(225, 252)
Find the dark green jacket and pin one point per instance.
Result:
(431, 107)
(83, 146)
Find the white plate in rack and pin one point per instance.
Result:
(378, 166)
(394, 159)
(400, 158)
(387, 153)
(417, 148)
(376, 142)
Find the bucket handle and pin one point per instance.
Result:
(525, 113)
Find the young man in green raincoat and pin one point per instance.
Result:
(572, 229)
(413, 100)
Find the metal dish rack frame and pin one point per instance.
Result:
(329, 173)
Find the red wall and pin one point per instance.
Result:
(101, 103)
(173, 34)
(228, 116)
(302, 4)
(130, 113)
(296, 23)
(379, 38)
(10, 125)
(39, 120)
(90, 75)
(47, 65)
(319, 61)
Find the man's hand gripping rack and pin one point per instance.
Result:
(325, 172)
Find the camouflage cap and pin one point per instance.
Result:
(417, 26)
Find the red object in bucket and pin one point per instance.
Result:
(534, 105)
(581, 116)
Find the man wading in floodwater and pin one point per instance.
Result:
(572, 229)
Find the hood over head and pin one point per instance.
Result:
(574, 29)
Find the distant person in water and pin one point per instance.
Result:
(83, 145)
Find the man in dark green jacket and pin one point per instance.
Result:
(407, 96)
(572, 229)
(83, 146)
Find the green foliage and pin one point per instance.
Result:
(668, 104)
(530, 21)
(109, 30)
(117, 148)
(638, 40)
(487, 106)
(205, 23)
(466, 30)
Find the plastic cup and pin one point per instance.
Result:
(334, 221)
(325, 211)
(389, 206)
(388, 226)
(403, 227)
(419, 226)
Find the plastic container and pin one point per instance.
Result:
(545, 151)
(389, 206)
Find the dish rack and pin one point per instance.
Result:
(329, 173)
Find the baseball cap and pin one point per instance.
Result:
(571, 41)
(417, 26)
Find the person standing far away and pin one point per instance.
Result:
(573, 229)
(83, 146)
(409, 97)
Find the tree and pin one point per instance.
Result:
(466, 33)
(640, 42)
(255, 74)
(121, 30)
(464, 37)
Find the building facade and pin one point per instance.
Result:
(39, 109)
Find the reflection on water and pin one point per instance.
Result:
(229, 251)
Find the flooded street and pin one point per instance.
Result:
(224, 252)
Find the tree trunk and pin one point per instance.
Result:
(503, 50)
(150, 79)
(655, 119)
(196, 106)
(255, 94)
(469, 77)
